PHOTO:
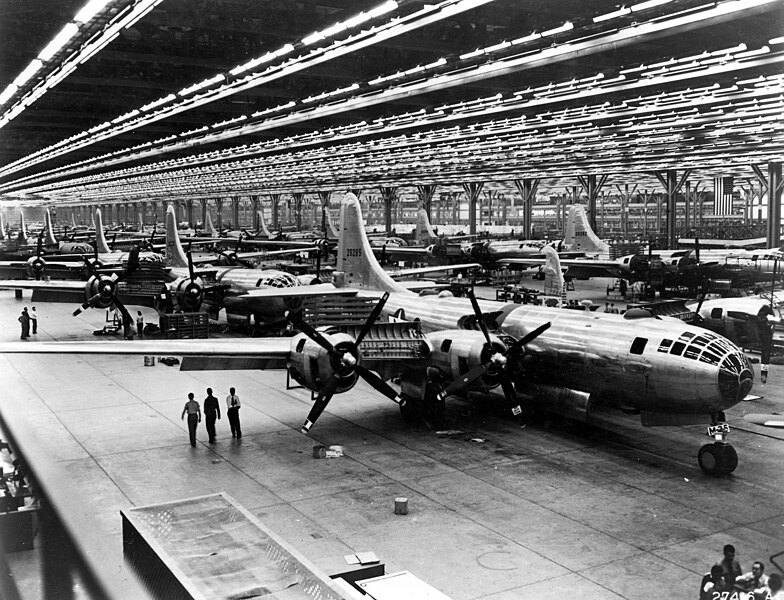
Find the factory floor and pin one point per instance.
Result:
(496, 511)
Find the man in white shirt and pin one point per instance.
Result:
(34, 320)
(233, 412)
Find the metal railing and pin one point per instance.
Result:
(72, 560)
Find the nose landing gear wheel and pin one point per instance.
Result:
(717, 459)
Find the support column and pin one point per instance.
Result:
(592, 186)
(626, 197)
(324, 196)
(189, 212)
(255, 206)
(774, 204)
(275, 199)
(356, 191)
(672, 185)
(235, 212)
(388, 196)
(426, 193)
(219, 214)
(472, 190)
(763, 188)
(298, 198)
(527, 188)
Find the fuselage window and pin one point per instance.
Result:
(446, 345)
(716, 313)
(665, 345)
(638, 345)
(300, 345)
(692, 352)
(709, 358)
(700, 340)
(686, 336)
(677, 348)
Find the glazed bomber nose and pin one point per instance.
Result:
(735, 378)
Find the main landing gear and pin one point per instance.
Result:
(719, 458)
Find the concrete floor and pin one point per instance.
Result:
(496, 511)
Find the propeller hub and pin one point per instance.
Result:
(349, 360)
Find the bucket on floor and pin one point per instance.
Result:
(401, 506)
(319, 451)
(149, 361)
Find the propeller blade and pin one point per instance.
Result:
(89, 265)
(309, 331)
(379, 384)
(458, 385)
(190, 264)
(479, 316)
(87, 304)
(372, 318)
(529, 337)
(321, 403)
(511, 397)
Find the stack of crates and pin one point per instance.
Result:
(185, 326)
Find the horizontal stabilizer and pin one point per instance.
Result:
(766, 420)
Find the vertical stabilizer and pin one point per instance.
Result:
(424, 230)
(175, 255)
(141, 223)
(209, 227)
(73, 221)
(355, 256)
(100, 239)
(50, 239)
(92, 224)
(22, 238)
(2, 227)
(554, 282)
(263, 225)
(579, 236)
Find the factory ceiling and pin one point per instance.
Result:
(146, 99)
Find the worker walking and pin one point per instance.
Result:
(211, 410)
(194, 417)
(233, 412)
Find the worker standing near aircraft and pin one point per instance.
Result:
(211, 410)
(233, 412)
(139, 324)
(24, 319)
(34, 320)
(194, 417)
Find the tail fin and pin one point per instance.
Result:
(333, 231)
(209, 227)
(554, 282)
(141, 223)
(73, 221)
(100, 239)
(175, 255)
(50, 239)
(356, 260)
(22, 229)
(424, 230)
(263, 225)
(92, 218)
(579, 236)
(2, 227)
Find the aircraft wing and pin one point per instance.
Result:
(401, 251)
(302, 291)
(304, 245)
(575, 267)
(417, 286)
(226, 353)
(275, 253)
(64, 285)
(434, 269)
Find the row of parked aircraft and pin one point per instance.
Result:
(561, 361)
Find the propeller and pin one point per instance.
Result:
(38, 265)
(497, 362)
(345, 360)
(104, 287)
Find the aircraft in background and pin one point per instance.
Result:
(562, 361)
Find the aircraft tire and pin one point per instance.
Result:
(717, 460)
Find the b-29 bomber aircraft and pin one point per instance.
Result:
(562, 361)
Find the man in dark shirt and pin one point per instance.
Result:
(211, 410)
(193, 411)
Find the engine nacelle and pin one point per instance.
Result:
(36, 267)
(566, 402)
(101, 290)
(188, 293)
(456, 352)
(312, 366)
